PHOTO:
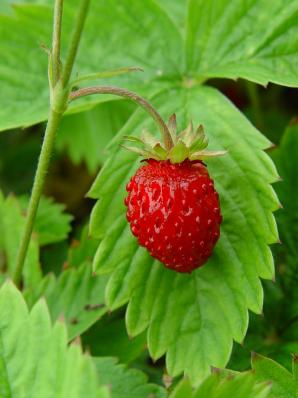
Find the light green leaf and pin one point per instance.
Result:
(35, 358)
(76, 296)
(24, 95)
(231, 39)
(52, 224)
(85, 135)
(182, 390)
(219, 385)
(193, 318)
(215, 40)
(283, 383)
(125, 382)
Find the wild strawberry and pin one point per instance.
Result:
(172, 206)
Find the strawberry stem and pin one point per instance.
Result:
(56, 42)
(121, 92)
(59, 89)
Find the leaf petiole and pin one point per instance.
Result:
(105, 74)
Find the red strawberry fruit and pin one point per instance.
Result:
(172, 205)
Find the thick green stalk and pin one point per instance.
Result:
(56, 44)
(59, 98)
(42, 168)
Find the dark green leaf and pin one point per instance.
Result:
(75, 296)
(125, 382)
(283, 383)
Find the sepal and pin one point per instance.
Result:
(189, 144)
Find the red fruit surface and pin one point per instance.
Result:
(174, 211)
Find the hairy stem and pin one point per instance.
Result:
(59, 100)
(56, 43)
(41, 171)
(135, 98)
(74, 41)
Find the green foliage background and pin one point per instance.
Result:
(185, 323)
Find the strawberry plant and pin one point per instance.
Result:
(162, 283)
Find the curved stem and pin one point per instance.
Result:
(41, 171)
(74, 42)
(121, 92)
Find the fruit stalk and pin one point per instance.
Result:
(135, 98)
(59, 89)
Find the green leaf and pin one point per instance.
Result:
(103, 74)
(76, 295)
(242, 385)
(82, 249)
(111, 330)
(35, 358)
(13, 222)
(283, 383)
(285, 158)
(193, 318)
(214, 40)
(127, 44)
(182, 390)
(221, 42)
(52, 224)
(85, 135)
(125, 382)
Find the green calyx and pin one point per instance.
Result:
(188, 144)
